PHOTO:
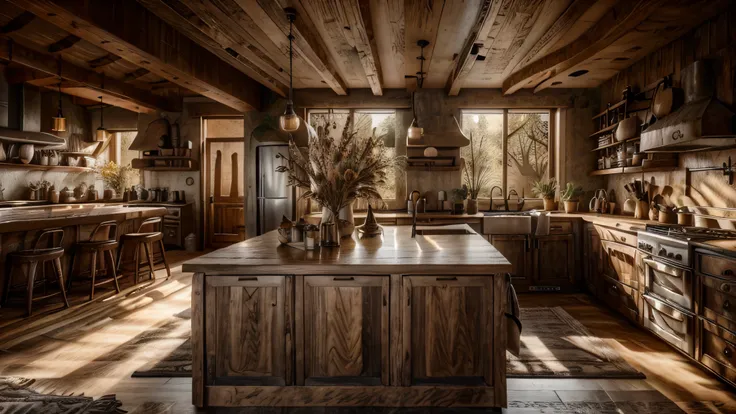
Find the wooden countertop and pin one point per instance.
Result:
(58, 215)
(627, 223)
(393, 253)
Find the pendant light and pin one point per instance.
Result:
(415, 133)
(59, 120)
(289, 121)
(101, 133)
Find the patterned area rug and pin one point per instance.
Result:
(17, 398)
(553, 345)
(556, 345)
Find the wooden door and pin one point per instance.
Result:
(554, 261)
(446, 339)
(346, 333)
(516, 249)
(225, 191)
(245, 337)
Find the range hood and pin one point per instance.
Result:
(441, 128)
(702, 123)
(24, 120)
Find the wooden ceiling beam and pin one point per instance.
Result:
(129, 30)
(422, 20)
(20, 21)
(21, 55)
(204, 35)
(473, 45)
(103, 61)
(359, 15)
(307, 41)
(621, 18)
(63, 44)
(140, 72)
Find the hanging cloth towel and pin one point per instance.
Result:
(513, 323)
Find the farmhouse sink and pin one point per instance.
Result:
(440, 230)
(507, 222)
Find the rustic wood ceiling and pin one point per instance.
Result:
(155, 48)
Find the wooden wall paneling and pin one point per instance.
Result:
(198, 331)
(207, 37)
(117, 27)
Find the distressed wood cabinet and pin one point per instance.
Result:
(554, 260)
(517, 249)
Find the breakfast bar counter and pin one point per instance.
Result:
(390, 321)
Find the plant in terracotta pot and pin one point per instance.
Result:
(115, 177)
(476, 173)
(547, 190)
(571, 196)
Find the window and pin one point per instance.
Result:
(117, 151)
(525, 152)
(382, 123)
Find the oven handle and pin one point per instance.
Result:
(664, 268)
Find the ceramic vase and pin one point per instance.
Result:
(472, 207)
(345, 222)
(25, 153)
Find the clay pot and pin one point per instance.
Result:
(571, 206)
(549, 204)
(472, 207)
(25, 153)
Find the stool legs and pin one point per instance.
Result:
(60, 278)
(111, 257)
(30, 271)
(163, 257)
(149, 258)
(8, 279)
(93, 270)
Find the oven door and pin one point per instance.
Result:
(672, 283)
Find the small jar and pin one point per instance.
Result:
(310, 237)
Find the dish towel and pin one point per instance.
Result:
(513, 324)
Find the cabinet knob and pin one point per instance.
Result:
(727, 352)
(623, 239)
(727, 272)
(726, 287)
(727, 304)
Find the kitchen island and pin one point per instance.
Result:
(389, 321)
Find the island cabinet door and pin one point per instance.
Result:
(345, 330)
(245, 330)
(517, 249)
(447, 333)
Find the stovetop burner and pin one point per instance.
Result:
(690, 233)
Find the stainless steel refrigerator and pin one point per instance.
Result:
(275, 197)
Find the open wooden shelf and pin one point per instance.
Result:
(164, 168)
(631, 170)
(614, 144)
(604, 130)
(147, 163)
(36, 167)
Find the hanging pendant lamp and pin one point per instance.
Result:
(415, 133)
(59, 120)
(289, 121)
(101, 133)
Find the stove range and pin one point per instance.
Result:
(672, 242)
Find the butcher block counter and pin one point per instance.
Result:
(389, 321)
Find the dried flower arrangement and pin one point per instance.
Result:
(115, 177)
(336, 172)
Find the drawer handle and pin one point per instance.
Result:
(728, 352)
(343, 279)
(555, 228)
(623, 239)
(727, 272)
(247, 279)
(446, 279)
(726, 304)
(725, 287)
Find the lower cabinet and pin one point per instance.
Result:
(346, 330)
(445, 330)
(245, 325)
(718, 350)
(592, 259)
(554, 261)
(516, 248)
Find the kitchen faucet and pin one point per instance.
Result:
(519, 200)
(501, 190)
(414, 201)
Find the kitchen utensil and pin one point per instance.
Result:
(664, 98)
(653, 212)
(627, 129)
(629, 207)
(599, 203)
(642, 210)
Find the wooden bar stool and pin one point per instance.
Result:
(147, 241)
(97, 248)
(28, 261)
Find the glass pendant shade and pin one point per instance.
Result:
(100, 134)
(289, 121)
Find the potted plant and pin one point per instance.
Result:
(546, 190)
(458, 199)
(570, 196)
(475, 172)
(115, 177)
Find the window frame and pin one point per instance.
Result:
(505, 126)
(396, 201)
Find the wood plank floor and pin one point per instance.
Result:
(91, 349)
